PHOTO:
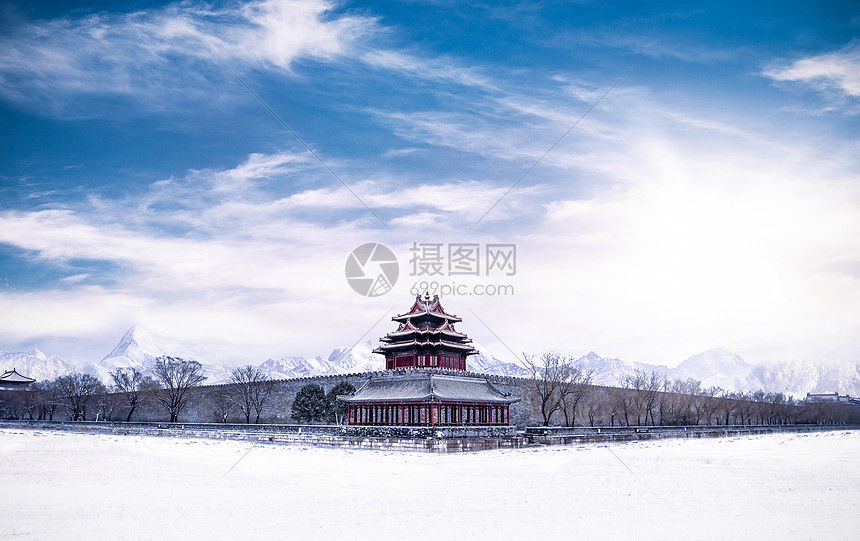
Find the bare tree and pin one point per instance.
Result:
(549, 374)
(77, 389)
(621, 403)
(222, 403)
(707, 403)
(105, 405)
(253, 388)
(30, 400)
(635, 382)
(595, 403)
(133, 385)
(337, 410)
(686, 390)
(178, 377)
(571, 392)
(49, 398)
(646, 387)
(743, 407)
(727, 407)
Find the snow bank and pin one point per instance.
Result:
(75, 486)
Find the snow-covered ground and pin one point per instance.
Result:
(75, 486)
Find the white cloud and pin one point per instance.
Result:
(440, 69)
(649, 45)
(662, 233)
(690, 246)
(837, 72)
(226, 271)
(162, 51)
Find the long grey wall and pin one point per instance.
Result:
(202, 408)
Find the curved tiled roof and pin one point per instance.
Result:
(12, 376)
(429, 387)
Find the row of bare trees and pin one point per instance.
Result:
(562, 394)
(250, 390)
(171, 385)
(559, 385)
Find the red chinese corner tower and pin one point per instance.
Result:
(425, 383)
(426, 339)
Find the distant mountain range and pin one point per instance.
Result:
(716, 367)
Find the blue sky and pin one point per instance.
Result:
(711, 198)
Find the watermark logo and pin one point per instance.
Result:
(463, 259)
(476, 269)
(372, 269)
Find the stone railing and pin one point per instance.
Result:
(420, 438)
(553, 435)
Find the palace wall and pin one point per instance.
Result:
(202, 405)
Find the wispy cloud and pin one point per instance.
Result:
(441, 69)
(836, 73)
(163, 51)
(649, 45)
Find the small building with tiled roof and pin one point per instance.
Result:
(11, 379)
(425, 383)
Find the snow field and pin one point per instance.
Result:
(79, 486)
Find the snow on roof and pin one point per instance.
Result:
(428, 387)
(12, 376)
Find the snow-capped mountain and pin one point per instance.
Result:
(716, 367)
(611, 371)
(486, 363)
(604, 371)
(298, 367)
(358, 359)
(341, 360)
(138, 348)
(35, 364)
(801, 377)
(361, 358)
